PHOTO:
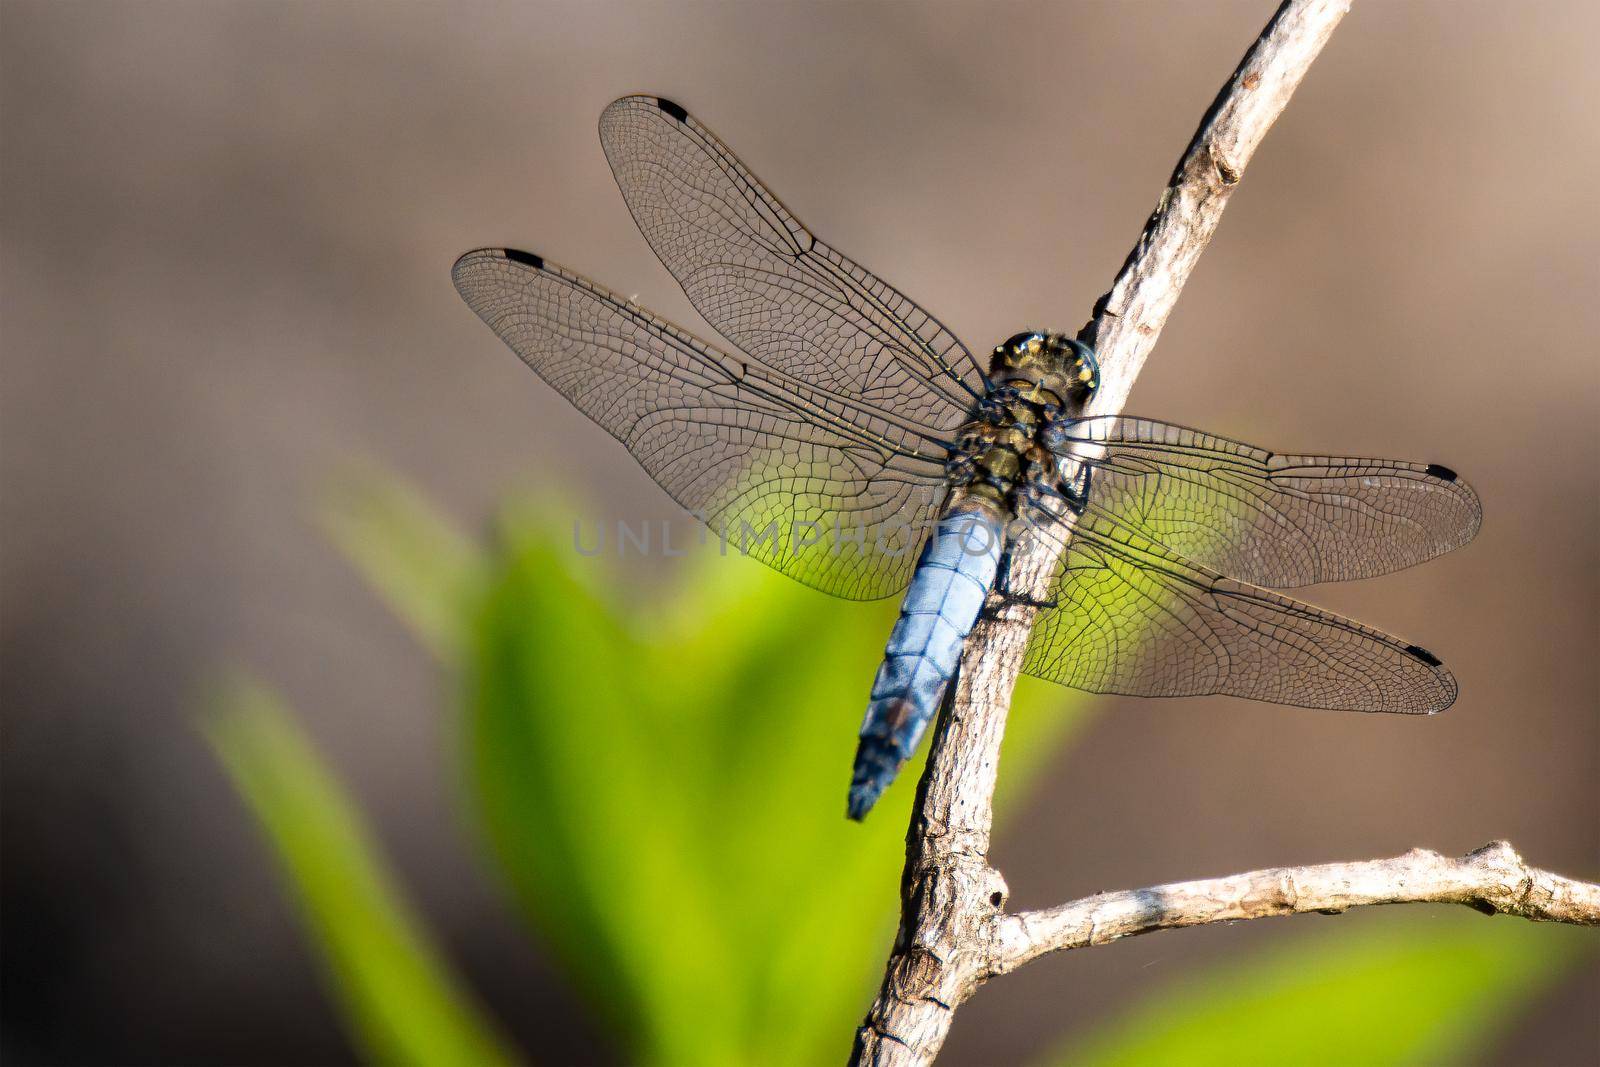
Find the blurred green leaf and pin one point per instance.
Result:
(417, 560)
(1429, 986)
(660, 777)
(663, 781)
(399, 999)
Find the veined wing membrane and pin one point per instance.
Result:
(748, 448)
(1274, 520)
(766, 283)
(1130, 617)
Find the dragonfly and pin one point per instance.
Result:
(847, 439)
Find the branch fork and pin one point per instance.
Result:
(954, 932)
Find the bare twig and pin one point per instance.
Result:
(949, 892)
(1492, 879)
(954, 933)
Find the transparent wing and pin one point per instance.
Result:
(1275, 520)
(815, 483)
(766, 283)
(1131, 617)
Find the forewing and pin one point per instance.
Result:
(1269, 519)
(766, 283)
(769, 461)
(1131, 617)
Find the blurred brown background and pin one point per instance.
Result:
(227, 234)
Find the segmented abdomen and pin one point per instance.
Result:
(947, 591)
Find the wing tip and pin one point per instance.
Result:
(1467, 498)
(1425, 656)
(1441, 472)
(677, 111)
(671, 108)
(530, 259)
(1447, 681)
(513, 254)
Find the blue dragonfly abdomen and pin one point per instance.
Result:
(948, 589)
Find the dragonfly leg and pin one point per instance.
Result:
(1005, 597)
(1076, 497)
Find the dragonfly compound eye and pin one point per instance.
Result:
(1085, 368)
(1027, 341)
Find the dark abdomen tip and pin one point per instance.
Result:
(528, 258)
(1441, 472)
(877, 762)
(672, 109)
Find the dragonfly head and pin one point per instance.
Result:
(1061, 371)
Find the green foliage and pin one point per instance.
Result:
(659, 779)
(663, 781)
(1431, 986)
(418, 561)
(399, 1000)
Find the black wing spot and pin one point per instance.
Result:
(1424, 655)
(1441, 472)
(528, 258)
(672, 109)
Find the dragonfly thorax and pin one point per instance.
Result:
(1033, 378)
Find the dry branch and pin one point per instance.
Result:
(1492, 879)
(953, 931)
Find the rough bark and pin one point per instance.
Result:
(954, 933)
(1493, 879)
